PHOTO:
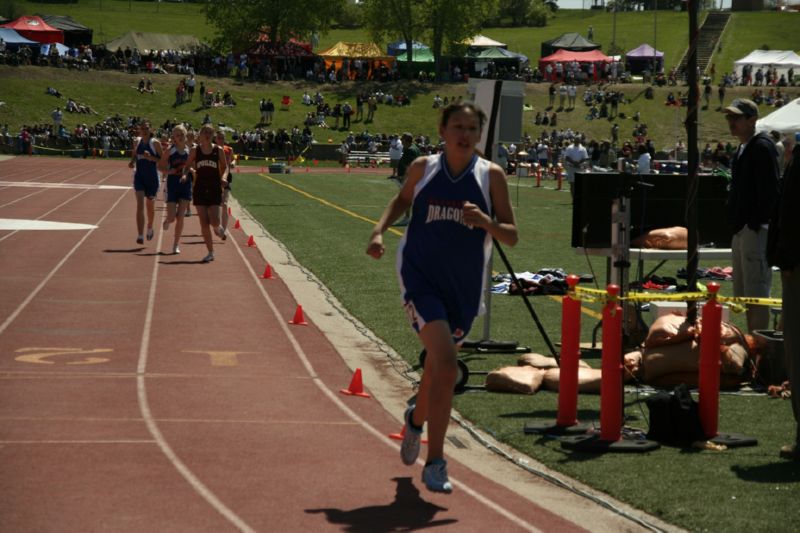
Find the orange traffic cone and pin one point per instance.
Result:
(237, 225)
(267, 273)
(399, 436)
(299, 319)
(356, 388)
(251, 241)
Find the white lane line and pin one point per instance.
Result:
(40, 191)
(17, 224)
(334, 397)
(115, 441)
(152, 426)
(62, 204)
(55, 269)
(62, 185)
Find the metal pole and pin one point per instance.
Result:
(692, 185)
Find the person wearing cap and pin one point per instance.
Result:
(752, 196)
(783, 251)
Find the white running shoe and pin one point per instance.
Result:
(409, 449)
(140, 239)
(209, 257)
(223, 234)
(434, 475)
(149, 234)
(176, 250)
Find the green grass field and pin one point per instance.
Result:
(736, 490)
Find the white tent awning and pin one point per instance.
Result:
(785, 119)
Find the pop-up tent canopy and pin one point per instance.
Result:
(14, 40)
(574, 42)
(290, 48)
(642, 57)
(35, 29)
(481, 41)
(399, 47)
(154, 41)
(782, 60)
(336, 54)
(785, 119)
(62, 49)
(566, 56)
(424, 55)
(75, 33)
(495, 53)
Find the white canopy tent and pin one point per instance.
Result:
(785, 119)
(782, 60)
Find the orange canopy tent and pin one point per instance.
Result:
(370, 52)
(36, 29)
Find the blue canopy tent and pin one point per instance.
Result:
(62, 49)
(643, 57)
(14, 40)
(399, 47)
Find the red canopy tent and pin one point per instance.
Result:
(566, 56)
(35, 29)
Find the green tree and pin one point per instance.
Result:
(450, 23)
(387, 20)
(239, 23)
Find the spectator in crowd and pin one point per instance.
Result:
(575, 156)
(784, 252)
(643, 160)
(395, 153)
(752, 197)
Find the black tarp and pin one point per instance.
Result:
(75, 33)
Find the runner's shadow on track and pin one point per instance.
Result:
(180, 261)
(123, 251)
(407, 512)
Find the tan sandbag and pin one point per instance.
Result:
(674, 238)
(537, 360)
(632, 362)
(669, 329)
(670, 359)
(728, 333)
(588, 380)
(733, 359)
(542, 361)
(518, 379)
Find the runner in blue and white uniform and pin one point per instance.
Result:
(459, 203)
(179, 186)
(146, 152)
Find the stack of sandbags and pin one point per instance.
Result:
(535, 370)
(671, 354)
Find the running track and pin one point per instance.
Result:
(149, 392)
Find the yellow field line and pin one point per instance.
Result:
(329, 204)
(586, 311)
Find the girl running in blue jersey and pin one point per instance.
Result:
(459, 202)
(179, 186)
(146, 153)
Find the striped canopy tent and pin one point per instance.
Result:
(341, 51)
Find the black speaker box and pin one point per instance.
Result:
(656, 201)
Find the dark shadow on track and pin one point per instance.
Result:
(123, 251)
(407, 512)
(183, 262)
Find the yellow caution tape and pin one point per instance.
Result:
(736, 303)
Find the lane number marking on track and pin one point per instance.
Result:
(41, 356)
(219, 358)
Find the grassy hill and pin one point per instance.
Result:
(23, 89)
(667, 30)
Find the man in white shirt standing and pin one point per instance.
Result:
(574, 157)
